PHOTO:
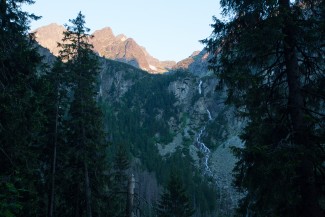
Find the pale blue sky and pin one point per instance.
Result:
(169, 29)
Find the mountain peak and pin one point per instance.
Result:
(51, 27)
(196, 63)
(195, 53)
(54, 27)
(106, 31)
(120, 48)
(48, 36)
(121, 37)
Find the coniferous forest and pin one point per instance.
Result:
(278, 85)
(69, 146)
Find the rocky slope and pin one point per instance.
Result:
(197, 63)
(124, 49)
(174, 117)
(106, 44)
(49, 36)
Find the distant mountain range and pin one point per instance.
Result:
(123, 49)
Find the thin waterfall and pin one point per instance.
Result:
(200, 145)
(200, 87)
(205, 150)
(209, 115)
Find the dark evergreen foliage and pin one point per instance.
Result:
(270, 57)
(21, 114)
(174, 202)
(85, 164)
(129, 122)
(118, 185)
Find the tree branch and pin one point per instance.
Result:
(7, 156)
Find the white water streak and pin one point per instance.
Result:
(200, 145)
(205, 150)
(100, 85)
(209, 115)
(200, 87)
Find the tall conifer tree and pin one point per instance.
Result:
(270, 56)
(21, 113)
(85, 137)
(174, 202)
(57, 106)
(119, 184)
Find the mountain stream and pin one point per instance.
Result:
(200, 145)
(228, 197)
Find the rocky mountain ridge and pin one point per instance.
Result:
(196, 63)
(124, 49)
(49, 36)
(106, 44)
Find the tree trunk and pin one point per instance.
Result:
(130, 197)
(77, 207)
(53, 166)
(88, 191)
(3, 9)
(87, 183)
(309, 206)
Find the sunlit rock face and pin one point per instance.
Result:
(196, 63)
(106, 44)
(49, 36)
(125, 49)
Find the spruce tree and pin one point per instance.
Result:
(21, 114)
(117, 194)
(174, 202)
(57, 106)
(270, 57)
(85, 164)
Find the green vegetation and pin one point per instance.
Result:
(52, 148)
(219, 129)
(140, 119)
(85, 163)
(21, 114)
(174, 202)
(117, 186)
(270, 56)
(56, 121)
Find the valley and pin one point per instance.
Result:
(170, 121)
(92, 124)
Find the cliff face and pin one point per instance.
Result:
(49, 36)
(124, 49)
(180, 112)
(197, 63)
(106, 44)
(157, 65)
(119, 48)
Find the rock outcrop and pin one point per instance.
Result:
(189, 112)
(197, 63)
(49, 36)
(106, 44)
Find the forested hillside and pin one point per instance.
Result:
(270, 56)
(170, 122)
(236, 129)
(76, 127)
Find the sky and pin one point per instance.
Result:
(168, 29)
